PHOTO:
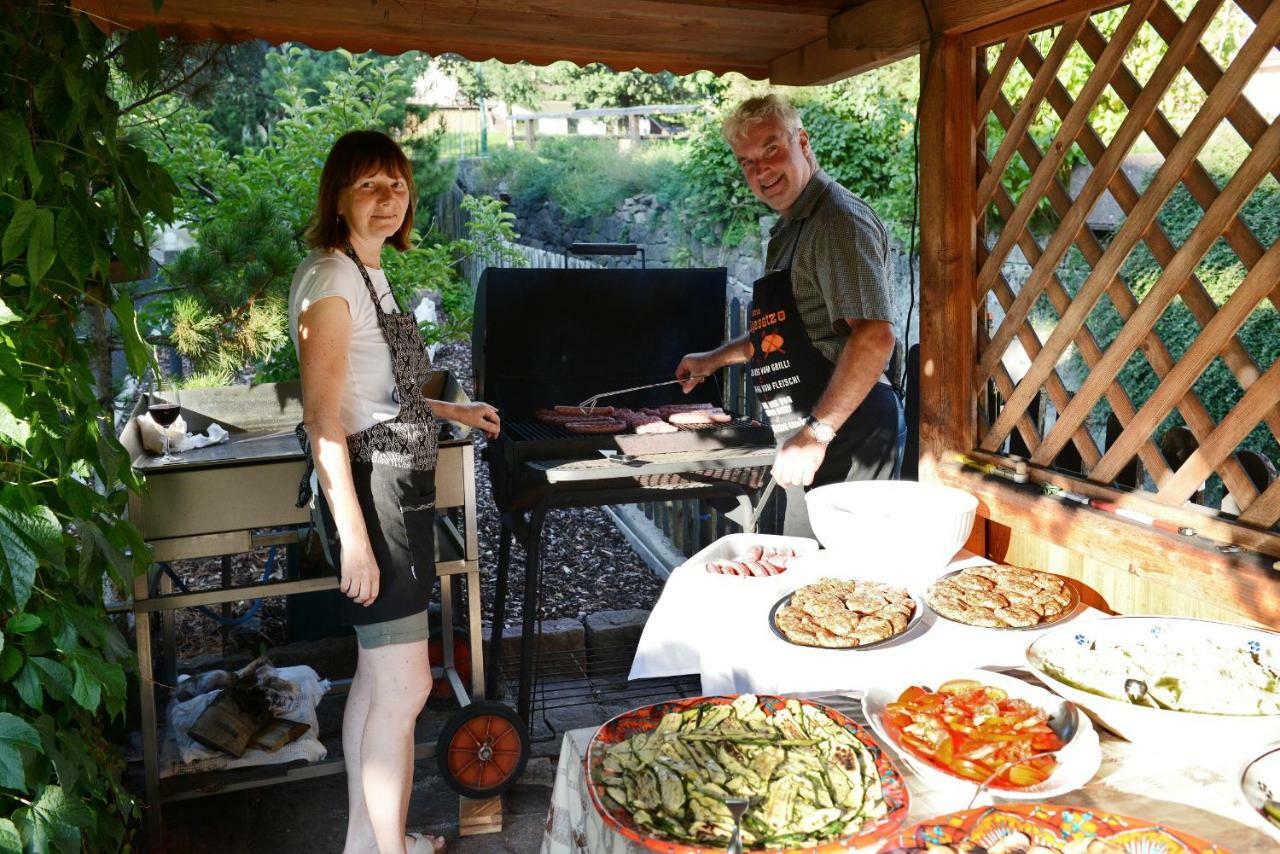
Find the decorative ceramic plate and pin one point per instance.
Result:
(1068, 610)
(646, 718)
(916, 613)
(1260, 783)
(1055, 828)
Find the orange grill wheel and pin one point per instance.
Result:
(482, 750)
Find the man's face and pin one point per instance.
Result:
(775, 162)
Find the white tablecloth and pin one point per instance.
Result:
(727, 621)
(1198, 795)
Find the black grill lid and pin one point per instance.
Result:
(557, 336)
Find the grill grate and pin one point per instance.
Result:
(533, 431)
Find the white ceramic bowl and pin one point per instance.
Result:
(1078, 761)
(1190, 731)
(1260, 782)
(917, 526)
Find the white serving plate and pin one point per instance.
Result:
(1078, 761)
(1190, 731)
(1260, 782)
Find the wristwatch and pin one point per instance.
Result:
(821, 430)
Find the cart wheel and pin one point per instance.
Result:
(442, 688)
(482, 750)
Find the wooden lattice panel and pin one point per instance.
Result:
(1070, 322)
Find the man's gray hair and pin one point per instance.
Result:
(759, 109)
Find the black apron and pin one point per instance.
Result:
(790, 374)
(393, 469)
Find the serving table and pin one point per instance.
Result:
(1199, 794)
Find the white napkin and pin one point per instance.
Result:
(179, 439)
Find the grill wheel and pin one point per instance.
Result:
(482, 750)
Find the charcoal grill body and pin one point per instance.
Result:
(558, 336)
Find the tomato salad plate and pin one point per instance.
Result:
(967, 727)
(814, 780)
(1044, 828)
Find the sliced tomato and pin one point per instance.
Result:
(912, 694)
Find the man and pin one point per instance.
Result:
(821, 336)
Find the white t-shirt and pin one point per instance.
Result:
(369, 395)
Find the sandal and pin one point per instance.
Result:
(421, 843)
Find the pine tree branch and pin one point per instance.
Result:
(179, 83)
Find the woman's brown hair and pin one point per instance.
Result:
(355, 155)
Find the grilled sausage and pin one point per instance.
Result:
(666, 409)
(559, 419)
(581, 411)
(598, 426)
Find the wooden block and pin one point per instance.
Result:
(477, 817)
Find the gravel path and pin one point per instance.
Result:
(588, 565)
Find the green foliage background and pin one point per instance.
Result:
(248, 207)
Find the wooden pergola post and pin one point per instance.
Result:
(948, 319)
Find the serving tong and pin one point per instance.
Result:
(737, 808)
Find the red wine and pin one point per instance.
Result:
(164, 414)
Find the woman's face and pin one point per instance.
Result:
(374, 206)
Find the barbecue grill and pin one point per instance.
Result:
(557, 336)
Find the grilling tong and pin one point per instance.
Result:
(591, 402)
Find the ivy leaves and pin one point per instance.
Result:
(75, 201)
(14, 734)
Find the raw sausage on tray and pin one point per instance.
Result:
(755, 562)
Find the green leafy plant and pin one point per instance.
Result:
(76, 203)
(225, 304)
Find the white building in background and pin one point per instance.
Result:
(1263, 89)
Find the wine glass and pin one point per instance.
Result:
(164, 405)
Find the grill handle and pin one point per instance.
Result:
(607, 249)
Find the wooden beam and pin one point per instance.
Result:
(895, 24)
(817, 63)
(948, 316)
(1243, 581)
(879, 25)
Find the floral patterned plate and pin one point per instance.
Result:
(645, 718)
(1055, 828)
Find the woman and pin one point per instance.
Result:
(373, 437)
